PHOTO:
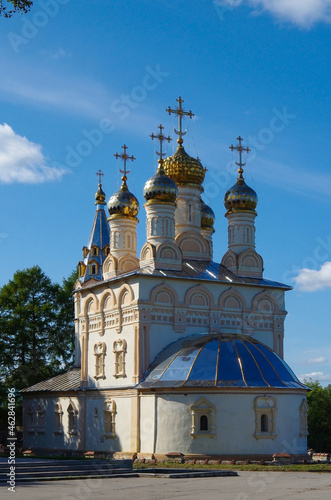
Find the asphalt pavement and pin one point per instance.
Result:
(246, 486)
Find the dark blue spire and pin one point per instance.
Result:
(97, 249)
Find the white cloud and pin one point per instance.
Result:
(309, 280)
(320, 376)
(23, 161)
(301, 12)
(321, 359)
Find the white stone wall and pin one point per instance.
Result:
(49, 437)
(233, 412)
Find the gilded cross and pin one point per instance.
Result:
(99, 174)
(124, 157)
(240, 150)
(161, 138)
(180, 112)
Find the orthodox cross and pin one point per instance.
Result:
(240, 150)
(99, 174)
(124, 157)
(161, 138)
(180, 112)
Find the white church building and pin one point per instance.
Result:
(175, 353)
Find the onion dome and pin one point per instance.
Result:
(240, 197)
(123, 203)
(219, 360)
(100, 196)
(160, 188)
(207, 216)
(184, 169)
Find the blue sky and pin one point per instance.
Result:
(80, 79)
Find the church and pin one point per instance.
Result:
(174, 352)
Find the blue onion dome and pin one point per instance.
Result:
(207, 216)
(240, 197)
(219, 360)
(160, 188)
(123, 203)
(100, 196)
(184, 169)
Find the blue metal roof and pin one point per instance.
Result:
(219, 360)
(200, 270)
(99, 238)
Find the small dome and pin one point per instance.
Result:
(207, 216)
(240, 198)
(184, 169)
(219, 360)
(123, 203)
(100, 197)
(160, 188)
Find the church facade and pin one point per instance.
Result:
(174, 352)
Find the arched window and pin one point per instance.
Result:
(93, 269)
(58, 418)
(99, 353)
(264, 423)
(203, 419)
(265, 417)
(203, 423)
(72, 419)
(119, 349)
(109, 409)
(40, 418)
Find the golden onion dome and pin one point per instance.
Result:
(240, 197)
(160, 188)
(123, 203)
(100, 197)
(184, 169)
(207, 216)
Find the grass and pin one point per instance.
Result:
(248, 467)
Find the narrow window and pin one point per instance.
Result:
(189, 207)
(93, 269)
(40, 418)
(72, 419)
(119, 349)
(264, 423)
(99, 353)
(109, 409)
(58, 418)
(203, 423)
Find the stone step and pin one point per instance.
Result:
(29, 470)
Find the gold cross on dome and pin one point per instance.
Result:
(99, 174)
(161, 138)
(180, 112)
(240, 150)
(124, 157)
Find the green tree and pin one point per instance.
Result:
(10, 7)
(36, 328)
(319, 417)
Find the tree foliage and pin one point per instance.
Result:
(319, 417)
(10, 7)
(36, 328)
